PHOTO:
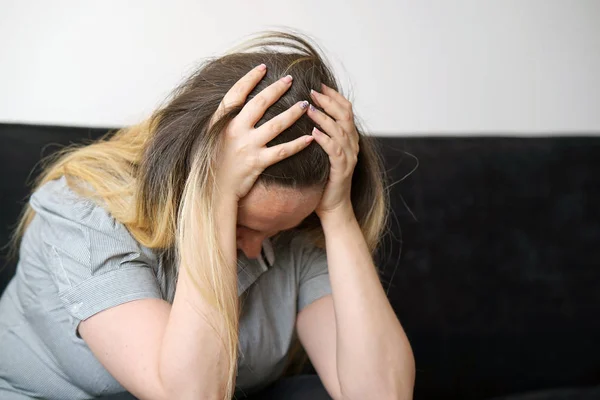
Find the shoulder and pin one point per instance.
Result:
(294, 241)
(72, 222)
(58, 199)
(299, 249)
(309, 263)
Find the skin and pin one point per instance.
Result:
(266, 211)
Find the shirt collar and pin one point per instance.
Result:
(250, 270)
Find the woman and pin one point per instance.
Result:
(129, 275)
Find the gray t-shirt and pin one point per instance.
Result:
(77, 260)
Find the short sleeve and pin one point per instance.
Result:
(313, 273)
(93, 260)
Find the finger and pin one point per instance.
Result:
(333, 149)
(237, 94)
(274, 154)
(270, 129)
(334, 94)
(255, 108)
(332, 107)
(326, 122)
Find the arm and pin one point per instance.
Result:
(192, 360)
(353, 337)
(159, 351)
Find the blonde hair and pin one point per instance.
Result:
(157, 178)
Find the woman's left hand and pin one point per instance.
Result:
(340, 142)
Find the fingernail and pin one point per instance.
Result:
(314, 92)
(316, 132)
(262, 67)
(312, 108)
(304, 105)
(287, 78)
(309, 139)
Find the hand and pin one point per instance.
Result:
(244, 154)
(341, 144)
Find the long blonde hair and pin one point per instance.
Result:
(157, 178)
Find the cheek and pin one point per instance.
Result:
(239, 233)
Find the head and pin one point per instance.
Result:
(269, 210)
(158, 177)
(183, 143)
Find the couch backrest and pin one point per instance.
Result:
(492, 259)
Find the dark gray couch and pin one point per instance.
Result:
(492, 260)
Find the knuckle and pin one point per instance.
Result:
(338, 151)
(347, 115)
(260, 101)
(238, 91)
(282, 153)
(254, 161)
(232, 127)
(276, 127)
(227, 104)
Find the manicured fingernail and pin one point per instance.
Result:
(314, 92)
(312, 108)
(309, 139)
(316, 132)
(287, 79)
(304, 105)
(262, 67)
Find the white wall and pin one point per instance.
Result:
(522, 66)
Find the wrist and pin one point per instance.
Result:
(225, 211)
(225, 220)
(226, 204)
(338, 217)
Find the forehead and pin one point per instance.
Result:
(277, 208)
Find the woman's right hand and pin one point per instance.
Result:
(244, 154)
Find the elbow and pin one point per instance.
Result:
(393, 392)
(189, 393)
(176, 389)
(404, 393)
(402, 388)
(394, 385)
(405, 386)
(380, 394)
(397, 390)
(184, 394)
(399, 382)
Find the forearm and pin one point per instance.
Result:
(193, 363)
(373, 353)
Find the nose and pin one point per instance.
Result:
(250, 244)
